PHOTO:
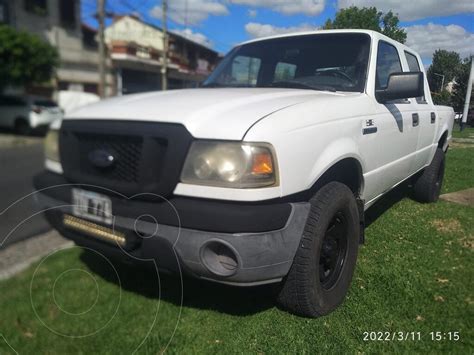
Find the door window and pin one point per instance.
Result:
(388, 62)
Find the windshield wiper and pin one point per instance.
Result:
(298, 85)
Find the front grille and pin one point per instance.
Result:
(126, 149)
(148, 156)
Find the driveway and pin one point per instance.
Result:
(20, 159)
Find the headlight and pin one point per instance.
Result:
(51, 145)
(230, 164)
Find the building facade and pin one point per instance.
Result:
(136, 53)
(59, 23)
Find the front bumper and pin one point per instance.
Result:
(250, 258)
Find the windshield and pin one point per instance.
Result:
(318, 62)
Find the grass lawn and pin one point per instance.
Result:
(467, 132)
(415, 274)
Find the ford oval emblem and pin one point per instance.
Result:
(101, 158)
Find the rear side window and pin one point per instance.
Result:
(245, 71)
(388, 62)
(414, 66)
(284, 71)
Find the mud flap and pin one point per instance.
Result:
(360, 207)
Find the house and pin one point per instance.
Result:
(59, 23)
(136, 52)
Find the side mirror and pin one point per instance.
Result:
(402, 86)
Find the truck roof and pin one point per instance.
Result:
(372, 34)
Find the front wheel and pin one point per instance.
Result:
(22, 127)
(324, 263)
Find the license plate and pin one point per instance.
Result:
(92, 206)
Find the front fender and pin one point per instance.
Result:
(338, 150)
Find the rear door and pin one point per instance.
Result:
(427, 114)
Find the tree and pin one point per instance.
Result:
(24, 58)
(444, 63)
(442, 98)
(368, 18)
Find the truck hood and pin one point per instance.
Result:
(206, 113)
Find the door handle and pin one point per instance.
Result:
(415, 119)
(433, 117)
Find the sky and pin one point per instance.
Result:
(221, 24)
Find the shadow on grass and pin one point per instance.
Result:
(387, 201)
(199, 294)
(141, 278)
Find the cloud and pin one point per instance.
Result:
(256, 30)
(287, 7)
(191, 12)
(416, 9)
(195, 36)
(252, 13)
(425, 39)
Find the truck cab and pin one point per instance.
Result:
(263, 174)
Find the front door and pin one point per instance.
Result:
(392, 142)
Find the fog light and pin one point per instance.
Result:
(220, 258)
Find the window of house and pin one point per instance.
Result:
(245, 71)
(88, 38)
(67, 12)
(414, 66)
(38, 7)
(388, 62)
(284, 72)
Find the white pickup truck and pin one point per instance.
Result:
(263, 174)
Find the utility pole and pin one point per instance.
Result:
(468, 95)
(164, 67)
(101, 19)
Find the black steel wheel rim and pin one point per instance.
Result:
(333, 251)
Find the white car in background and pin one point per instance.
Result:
(25, 114)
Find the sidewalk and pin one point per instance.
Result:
(19, 256)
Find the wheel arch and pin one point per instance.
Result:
(340, 162)
(443, 140)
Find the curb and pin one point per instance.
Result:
(12, 141)
(19, 256)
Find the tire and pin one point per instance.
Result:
(428, 186)
(22, 127)
(311, 289)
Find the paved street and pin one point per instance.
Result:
(20, 159)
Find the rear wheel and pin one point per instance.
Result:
(22, 126)
(324, 263)
(427, 187)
